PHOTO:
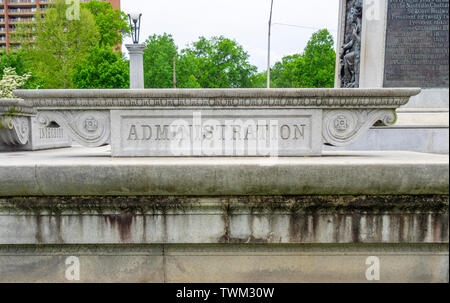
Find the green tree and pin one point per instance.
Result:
(61, 44)
(286, 72)
(158, 61)
(17, 61)
(259, 80)
(103, 68)
(313, 68)
(319, 61)
(112, 24)
(216, 63)
(10, 81)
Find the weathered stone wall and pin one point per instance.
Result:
(246, 263)
(248, 219)
(223, 219)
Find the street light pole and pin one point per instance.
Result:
(268, 46)
(136, 52)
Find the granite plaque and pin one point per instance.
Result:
(216, 133)
(417, 38)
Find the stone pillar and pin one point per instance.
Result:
(136, 52)
(397, 49)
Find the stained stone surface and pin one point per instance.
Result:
(92, 172)
(292, 122)
(417, 44)
(222, 263)
(216, 133)
(297, 219)
(21, 128)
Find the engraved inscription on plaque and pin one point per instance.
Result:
(210, 133)
(417, 38)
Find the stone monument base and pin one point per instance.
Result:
(422, 126)
(295, 219)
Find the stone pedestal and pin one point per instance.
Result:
(399, 48)
(136, 52)
(15, 123)
(215, 219)
(23, 128)
(218, 122)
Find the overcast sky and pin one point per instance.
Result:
(245, 21)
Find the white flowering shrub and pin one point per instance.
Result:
(10, 82)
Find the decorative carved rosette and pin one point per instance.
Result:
(344, 127)
(88, 128)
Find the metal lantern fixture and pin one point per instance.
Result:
(135, 24)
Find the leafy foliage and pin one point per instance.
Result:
(215, 63)
(158, 61)
(314, 68)
(103, 68)
(11, 81)
(112, 24)
(223, 63)
(17, 60)
(61, 44)
(68, 50)
(319, 61)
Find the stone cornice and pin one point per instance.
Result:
(16, 106)
(337, 117)
(222, 98)
(218, 93)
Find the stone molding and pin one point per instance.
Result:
(88, 128)
(136, 48)
(15, 121)
(344, 127)
(347, 113)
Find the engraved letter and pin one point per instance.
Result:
(133, 134)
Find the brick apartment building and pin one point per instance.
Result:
(13, 12)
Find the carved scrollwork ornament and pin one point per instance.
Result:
(344, 127)
(88, 128)
(15, 130)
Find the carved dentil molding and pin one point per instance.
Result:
(312, 102)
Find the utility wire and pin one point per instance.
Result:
(300, 26)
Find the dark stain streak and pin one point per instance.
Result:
(59, 233)
(401, 226)
(226, 210)
(356, 222)
(408, 216)
(444, 227)
(123, 223)
(144, 228)
(423, 226)
(38, 234)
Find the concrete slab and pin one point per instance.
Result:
(225, 263)
(79, 171)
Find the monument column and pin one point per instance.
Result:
(136, 52)
(392, 43)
